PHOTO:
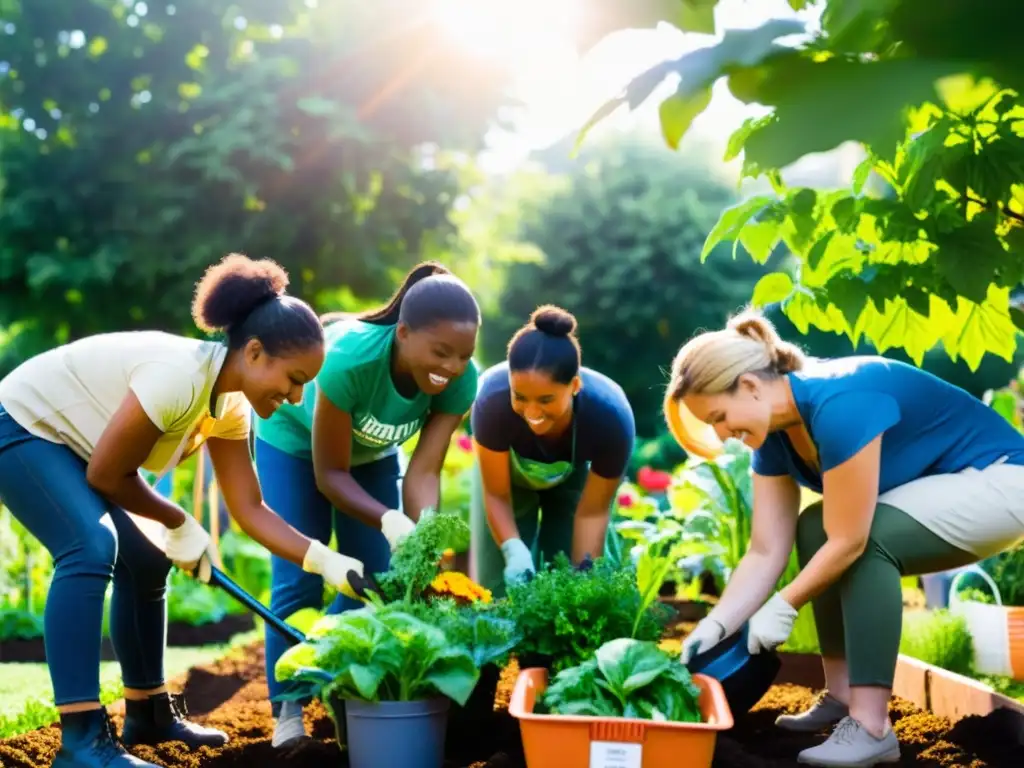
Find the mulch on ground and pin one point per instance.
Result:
(231, 694)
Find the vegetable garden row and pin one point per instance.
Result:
(598, 643)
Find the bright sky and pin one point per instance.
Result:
(561, 90)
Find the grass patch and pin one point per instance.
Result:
(26, 698)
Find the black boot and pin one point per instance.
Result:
(88, 740)
(161, 718)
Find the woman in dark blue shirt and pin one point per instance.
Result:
(916, 476)
(552, 442)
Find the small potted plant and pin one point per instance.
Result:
(388, 672)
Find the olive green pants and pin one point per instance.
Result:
(544, 519)
(860, 616)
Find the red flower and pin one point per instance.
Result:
(625, 500)
(653, 479)
(465, 442)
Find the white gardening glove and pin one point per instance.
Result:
(771, 626)
(518, 561)
(705, 636)
(395, 526)
(187, 543)
(333, 566)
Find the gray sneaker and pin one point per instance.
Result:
(851, 746)
(289, 727)
(825, 713)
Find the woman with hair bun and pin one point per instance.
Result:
(79, 422)
(552, 440)
(916, 476)
(331, 462)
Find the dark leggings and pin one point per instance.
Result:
(289, 487)
(860, 617)
(91, 541)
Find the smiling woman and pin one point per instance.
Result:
(331, 461)
(78, 422)
(552, 438)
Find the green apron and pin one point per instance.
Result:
(540, 475)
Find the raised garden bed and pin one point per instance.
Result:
(232, 694)
(179, 634)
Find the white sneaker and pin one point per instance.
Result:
(289, 727)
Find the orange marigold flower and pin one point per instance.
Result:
(459, 585)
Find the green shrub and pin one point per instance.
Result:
(938, 637)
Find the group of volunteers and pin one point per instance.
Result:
(915, 476)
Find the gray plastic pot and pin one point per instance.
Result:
(387, 734)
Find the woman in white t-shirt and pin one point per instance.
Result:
(78, 422)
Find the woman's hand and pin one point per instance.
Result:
(187, 544)
(335, 567)
(850, 494)
(771, 626)
(518, 561)
(705, 636)
(395, 526)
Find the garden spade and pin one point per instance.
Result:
(363, 586)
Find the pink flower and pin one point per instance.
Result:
(465, 442)
(625, 500)
(653, 479)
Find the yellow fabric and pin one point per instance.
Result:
(692, 434)
(69, 394)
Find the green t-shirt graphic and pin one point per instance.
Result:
(356, 377)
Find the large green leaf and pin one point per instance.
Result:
(771, 288)
(821, 104)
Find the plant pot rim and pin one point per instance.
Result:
(385, 708)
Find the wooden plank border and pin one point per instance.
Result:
(931, 688)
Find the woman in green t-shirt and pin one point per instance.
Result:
(332, 460)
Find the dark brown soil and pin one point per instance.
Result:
(231, 694)
(178, 634)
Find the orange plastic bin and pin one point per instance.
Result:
(572, 741)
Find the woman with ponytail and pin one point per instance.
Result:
(331, 462)
(552, 441)
(915, 475)
(79, 422)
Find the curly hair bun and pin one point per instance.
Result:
(554, 321)
(233, 288)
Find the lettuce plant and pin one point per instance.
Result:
(625, 678)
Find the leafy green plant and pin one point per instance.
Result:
(928, 253)
(938, 637)
(625, 678)
(565, 614)
(416, 560)
(191, 602)
(394, 652)
(18, 624)
(707, 525)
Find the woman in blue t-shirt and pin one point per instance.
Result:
(552, 440)
(916, 476)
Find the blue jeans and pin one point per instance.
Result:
(289, 488)
(92, 541)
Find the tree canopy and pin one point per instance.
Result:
(141, 142)
(932, 252)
